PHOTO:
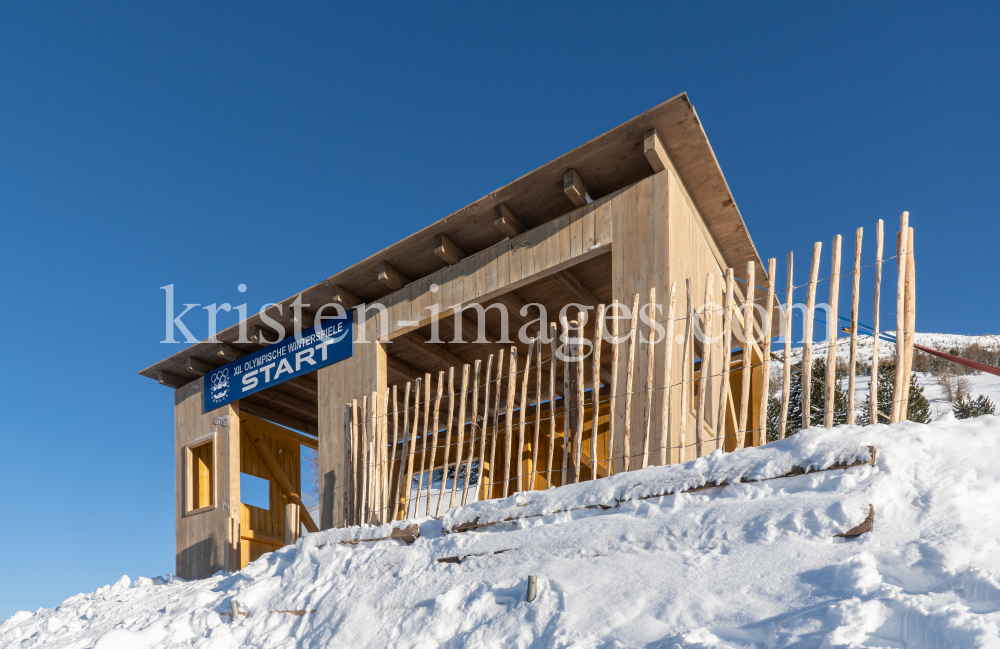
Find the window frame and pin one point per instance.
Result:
(189, 474)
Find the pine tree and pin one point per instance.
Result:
(918, 409)
(817, 401)
(967, 407)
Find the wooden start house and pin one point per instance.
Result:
(390, 395)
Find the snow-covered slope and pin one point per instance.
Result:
(753, 564)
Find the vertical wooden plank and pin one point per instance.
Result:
(436, 432)
(494, 473)
(855, 296)
(629, 380)
(613, 396)
(472, 432)
(363, 447)
(706, 363)
(390, 500)
(571, 410)
(406, 458)
(787, 364)
(482, 427)
(873, 386)
(446, 463)
(373, 456)
(727, 354)
(519, 452)
(348, 500)
(650, 362)
(356, 476)
(554, 344)
(766, 369)
(595, 393)
(807, 336)
(910, 322)
(538, 410)
(509, 429)
(831, 333)
(580, 386)
(901, 259)
(424, 443)
(666, 391)
(460, 437)
(687, 369)
(748, 318)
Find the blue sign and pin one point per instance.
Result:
(319, 346)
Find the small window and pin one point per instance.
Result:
(201, 475)
(255, 491)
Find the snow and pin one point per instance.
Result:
(752, 564)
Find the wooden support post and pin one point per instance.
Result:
(373, 458)
(669, 341)
(554, 345)
(910, 322)
(574, 188)
(348, 490)
(391, 276)
(706, 364)
(482, 427)
(629, 380)
(446, 249)
(595, 394)
(786, 376)
(292, 524)
(687, 369)
(384, 466)
(855, 296)
(807, 335)
(748, 344)
(413, 449)
(873, 387)
(509, 432)
(446, 465)
(901, 259)
(461, 434)
(522, 421)
(650, 361)
(766, 370)
(613, 396)
(279, 476)
(829, 403)
(727, 353)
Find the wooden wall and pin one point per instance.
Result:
(363, 373)
(204, 538)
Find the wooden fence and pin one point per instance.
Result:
(511, 421)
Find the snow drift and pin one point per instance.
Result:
(751, 564)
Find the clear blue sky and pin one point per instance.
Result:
(208, 144)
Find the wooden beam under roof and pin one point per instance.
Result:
(506, 222)
(171, 380)
(293, 435)
(342, 296)
(285, 400)
(391, 276)
(195, 366)
(655, 152)
(254, 408)
(575, 189)
(446, 249)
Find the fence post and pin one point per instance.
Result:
(855, 294)
(807, 337)
(831, 334)
(748, 317)
(293, 528)
(873, 386)
(706, 364)
(786, 372)
(669, 343)
(765, 389)
(897, 384)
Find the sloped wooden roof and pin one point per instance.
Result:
(606, 163)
